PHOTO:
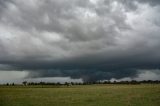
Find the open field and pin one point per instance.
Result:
(81, 95)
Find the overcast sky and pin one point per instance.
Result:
(85, 40)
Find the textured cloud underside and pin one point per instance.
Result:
(90, 39)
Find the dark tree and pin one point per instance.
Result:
(24, 83)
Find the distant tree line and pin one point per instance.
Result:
(25, 83)
(93, 82)
(10, 84)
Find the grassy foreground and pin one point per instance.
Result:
(84, 95)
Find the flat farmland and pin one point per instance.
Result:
(81, 95)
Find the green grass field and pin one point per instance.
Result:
(83, 95)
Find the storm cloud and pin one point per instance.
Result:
(82, 39)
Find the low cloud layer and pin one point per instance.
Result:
(142, 75)
(91, 39)
(19, 76)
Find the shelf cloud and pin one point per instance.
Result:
(80, 39)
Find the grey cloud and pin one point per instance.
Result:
(20, 76)
(151, 2)
(82, 39)
(142, 75)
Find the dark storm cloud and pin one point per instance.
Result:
(151, 2)
(91, 39)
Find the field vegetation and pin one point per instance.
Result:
(81, 95)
